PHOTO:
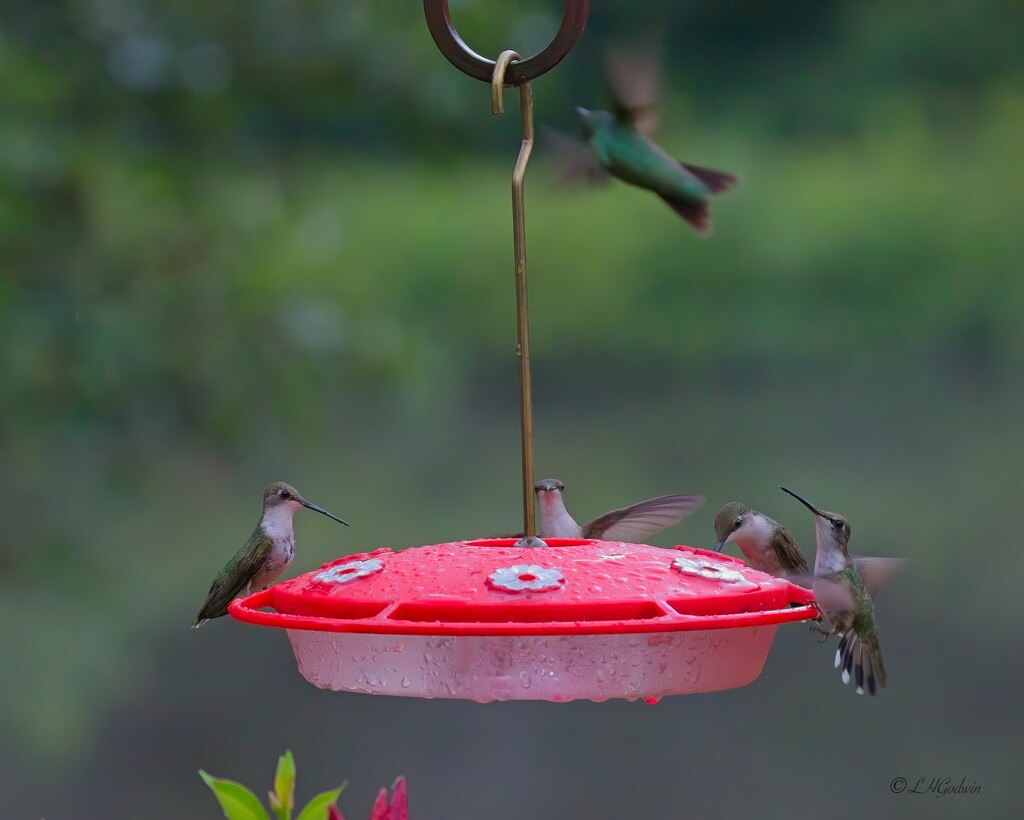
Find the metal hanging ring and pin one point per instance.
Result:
(452, 46)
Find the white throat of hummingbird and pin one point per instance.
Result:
(277, 520)
(831, 555)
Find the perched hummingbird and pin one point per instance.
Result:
(264, 556)
(764, 542)
(633, 523)
(621, 146)
(845, 599)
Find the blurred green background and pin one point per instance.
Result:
(268, 240)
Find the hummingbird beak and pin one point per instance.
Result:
(802, 500)
(322, 511)
(719, 545)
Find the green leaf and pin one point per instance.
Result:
(316, 809)
(235, 799)
(283, 799)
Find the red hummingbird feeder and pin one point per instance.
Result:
(507, 619)
(491, 620)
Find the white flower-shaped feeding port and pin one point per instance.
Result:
(703, 568)
(349, 571)
(525, 578)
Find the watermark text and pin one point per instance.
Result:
(935, 786)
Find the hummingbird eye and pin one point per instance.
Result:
(738, 522)
(837, 524)
(284, 494)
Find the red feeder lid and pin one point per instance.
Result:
(492, 587)
(491, 620)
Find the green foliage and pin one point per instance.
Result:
(282, 798)
(235, 799)
(249, 241)
(302, 288)
(319, 807)
(239, 803)
(156, 237)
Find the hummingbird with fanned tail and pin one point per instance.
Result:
(261, 559)
(843, 594)
(621, 145)
(631, 524)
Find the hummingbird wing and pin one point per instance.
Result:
(789, 554)
(640, 521)
(877, 572)
(833, 596)
(576, 162)
(632, 78)
(236, 575)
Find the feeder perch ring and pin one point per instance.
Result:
(349, 571)
(525, 578)
(452, 46)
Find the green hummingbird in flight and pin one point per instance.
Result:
(621, 145)
(843, 594)
(633, 523)
(261, 559)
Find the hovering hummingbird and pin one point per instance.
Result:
(621, 146)
(633, 523)
(844, 596)
(262, 558)
(764, 542)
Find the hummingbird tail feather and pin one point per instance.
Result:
(698, 214)
(862, 661)
(717, 181)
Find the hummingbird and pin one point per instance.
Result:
(764, 542)
(262, 558)
(770, 547)
(845, 599)
(633, 523)
(621, 145)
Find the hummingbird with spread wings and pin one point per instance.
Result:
(631, 524)
(619, 143)
(843, 588)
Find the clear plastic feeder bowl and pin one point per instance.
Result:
(487, 620)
